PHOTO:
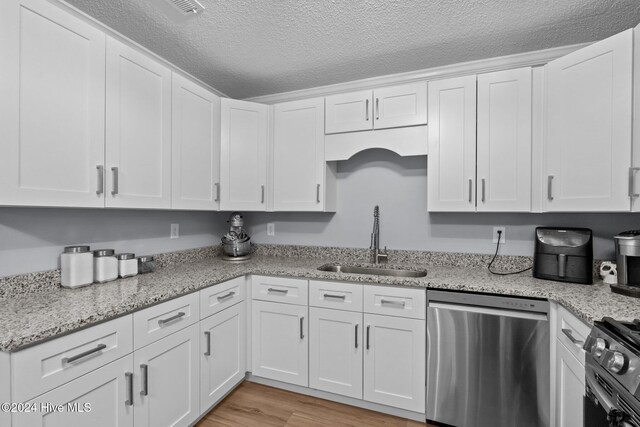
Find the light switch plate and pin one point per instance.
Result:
(175, 231)
(271, 229)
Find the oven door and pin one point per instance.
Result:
(606, 403)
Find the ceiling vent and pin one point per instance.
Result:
(188, 7)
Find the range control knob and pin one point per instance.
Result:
(599, 347)
(616, 362)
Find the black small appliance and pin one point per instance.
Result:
(564, 254)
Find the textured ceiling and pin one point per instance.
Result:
(248, 48)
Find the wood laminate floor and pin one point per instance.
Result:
(257, 405)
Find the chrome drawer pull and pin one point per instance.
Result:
(217, 199)
(632, 175)
(171, 319)
(128, 377)
(342, 297)
(366, 110)
(356, 335)
(302, 328)
(550, 188)
(368, 328)
(278, 291)
(390, 302)
(569, 334)
(207, 334)
(470, 190)
(145, 380)
(100, 189)
(114, 190)
(84, 354)
(224, 297)
(318, 193)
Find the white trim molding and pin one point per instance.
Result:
(527, 59)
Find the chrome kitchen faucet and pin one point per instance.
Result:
(378, 256)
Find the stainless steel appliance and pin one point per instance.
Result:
(487, 360)
(628, 257)
(563, 254)
(236, 244)
(612, 363)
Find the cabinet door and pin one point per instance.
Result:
(588, 141)
(101, 398)
(452, 145)
(398, 106)
(298, 156)
(195, 146)
(222, 349)
(243, 154)
(166, 389)
(570, 385)
(394, 361)
(51, 107)
(279, 344)
(504, 141)
(138, 129)
(335, 351)
(348, 112)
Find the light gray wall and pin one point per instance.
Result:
(31, 239)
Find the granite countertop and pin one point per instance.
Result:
(33, 317)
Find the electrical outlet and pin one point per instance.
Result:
(175, 231)
(503, 237)
(271, 229)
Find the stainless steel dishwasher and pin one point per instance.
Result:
(487, 360)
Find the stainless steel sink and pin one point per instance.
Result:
(352, 269)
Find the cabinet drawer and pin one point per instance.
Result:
(157, 322)
(572, 332)
(402, 302)
(279, 289)
(220, 296)
(341, 296)
(43, 367)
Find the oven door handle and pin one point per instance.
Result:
(598, 392)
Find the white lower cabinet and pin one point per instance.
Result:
(394, 361)
(167, 380)
(222, 354)
(279, 343)
(570, 387)
(335, 351)
(108, 391)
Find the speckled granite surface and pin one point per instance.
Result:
(32, 317)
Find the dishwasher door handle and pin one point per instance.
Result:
(489, 311)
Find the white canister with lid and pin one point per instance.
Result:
(127, 265)
(76, 266)
(105, 265)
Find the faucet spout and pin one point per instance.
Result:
(378, 256)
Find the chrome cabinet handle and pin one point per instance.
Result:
(342, 297)
(483, 192)
(318, 193)
(207, 335)
(569, 334)
(84, 354)
(368, 328)
(145, 379)
(128, 377)
(632, 175)
(377, 110)
(550, 187)
(262, 196)
(171, 319)
(302, 328)
(390, 302)
(470, 190)
(114, 190)
(366, 110)
(356, 335)
(280, 291)
(100, 188)
(224, 297)
(217, 185)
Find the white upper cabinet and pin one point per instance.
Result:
(400, 106)
(52, 76)
(243, 153)
(138, 112)
(195, 146)
(452, 144)
(348, 112)
(382, 108)
(504, 141)
(298, 156)
(588, 136)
